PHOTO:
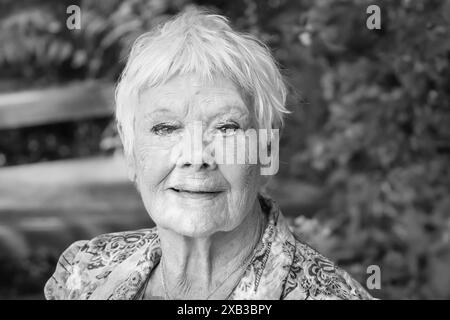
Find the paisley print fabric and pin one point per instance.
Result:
(116, 266)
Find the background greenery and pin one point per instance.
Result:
(369, 128)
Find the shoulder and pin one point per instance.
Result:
(56, 287)
(313, 276)
(112, 248)
(90, 258)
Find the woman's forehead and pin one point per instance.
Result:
(194, 85)
(187, 91)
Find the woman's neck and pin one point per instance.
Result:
(193, 268)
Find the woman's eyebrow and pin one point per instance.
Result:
(157, 111)
(232, 110)
(223, 111)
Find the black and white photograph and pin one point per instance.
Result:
(248, 150)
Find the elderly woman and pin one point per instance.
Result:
(187, 85)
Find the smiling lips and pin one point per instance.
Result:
(196, 193)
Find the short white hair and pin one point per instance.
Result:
(204, 44)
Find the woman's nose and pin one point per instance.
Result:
(205, 164)
(196, 151)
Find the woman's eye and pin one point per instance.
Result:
(164, 129)
(228, 129)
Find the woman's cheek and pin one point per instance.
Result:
(244, 179)
(153, 164)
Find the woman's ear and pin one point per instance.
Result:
(131, 167)
(129, 157)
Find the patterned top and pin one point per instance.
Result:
(117, 265)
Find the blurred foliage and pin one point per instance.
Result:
(370, 123)
(37, 45)
(382, 148)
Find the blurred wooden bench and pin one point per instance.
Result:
(57, 202)
(69, 103)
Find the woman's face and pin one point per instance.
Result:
(192, 196)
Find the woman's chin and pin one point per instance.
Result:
(194, 231)
(196, 224)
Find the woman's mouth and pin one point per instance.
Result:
(195, 193)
